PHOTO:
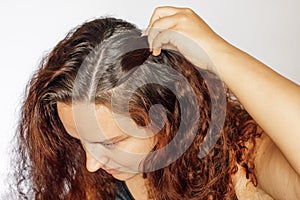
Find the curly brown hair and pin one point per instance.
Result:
(51, 164)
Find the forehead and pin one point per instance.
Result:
(89, 122)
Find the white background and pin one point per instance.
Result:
(269, 30)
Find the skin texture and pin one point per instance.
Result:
(49, 157)
(110, 157)
(237, 69)
(62, 150)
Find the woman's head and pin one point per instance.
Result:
(86, 111)
(101, 82)
(120, 85)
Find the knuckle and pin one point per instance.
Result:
(183, 17)
(188, 10)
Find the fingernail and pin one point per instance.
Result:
(144, 33)
(156, 52)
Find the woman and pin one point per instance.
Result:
(91, 127)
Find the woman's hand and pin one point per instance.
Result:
(183, 30)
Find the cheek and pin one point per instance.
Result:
(136, 145)
(130, 154)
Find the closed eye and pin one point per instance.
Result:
(111, 143)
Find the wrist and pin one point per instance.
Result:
(219, 53)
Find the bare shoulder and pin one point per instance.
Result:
(245, 189)
(275, 175)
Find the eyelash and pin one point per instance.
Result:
(109, 144)
(112, 144)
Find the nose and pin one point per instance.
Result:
(93, 164)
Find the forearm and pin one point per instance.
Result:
(272, 100)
